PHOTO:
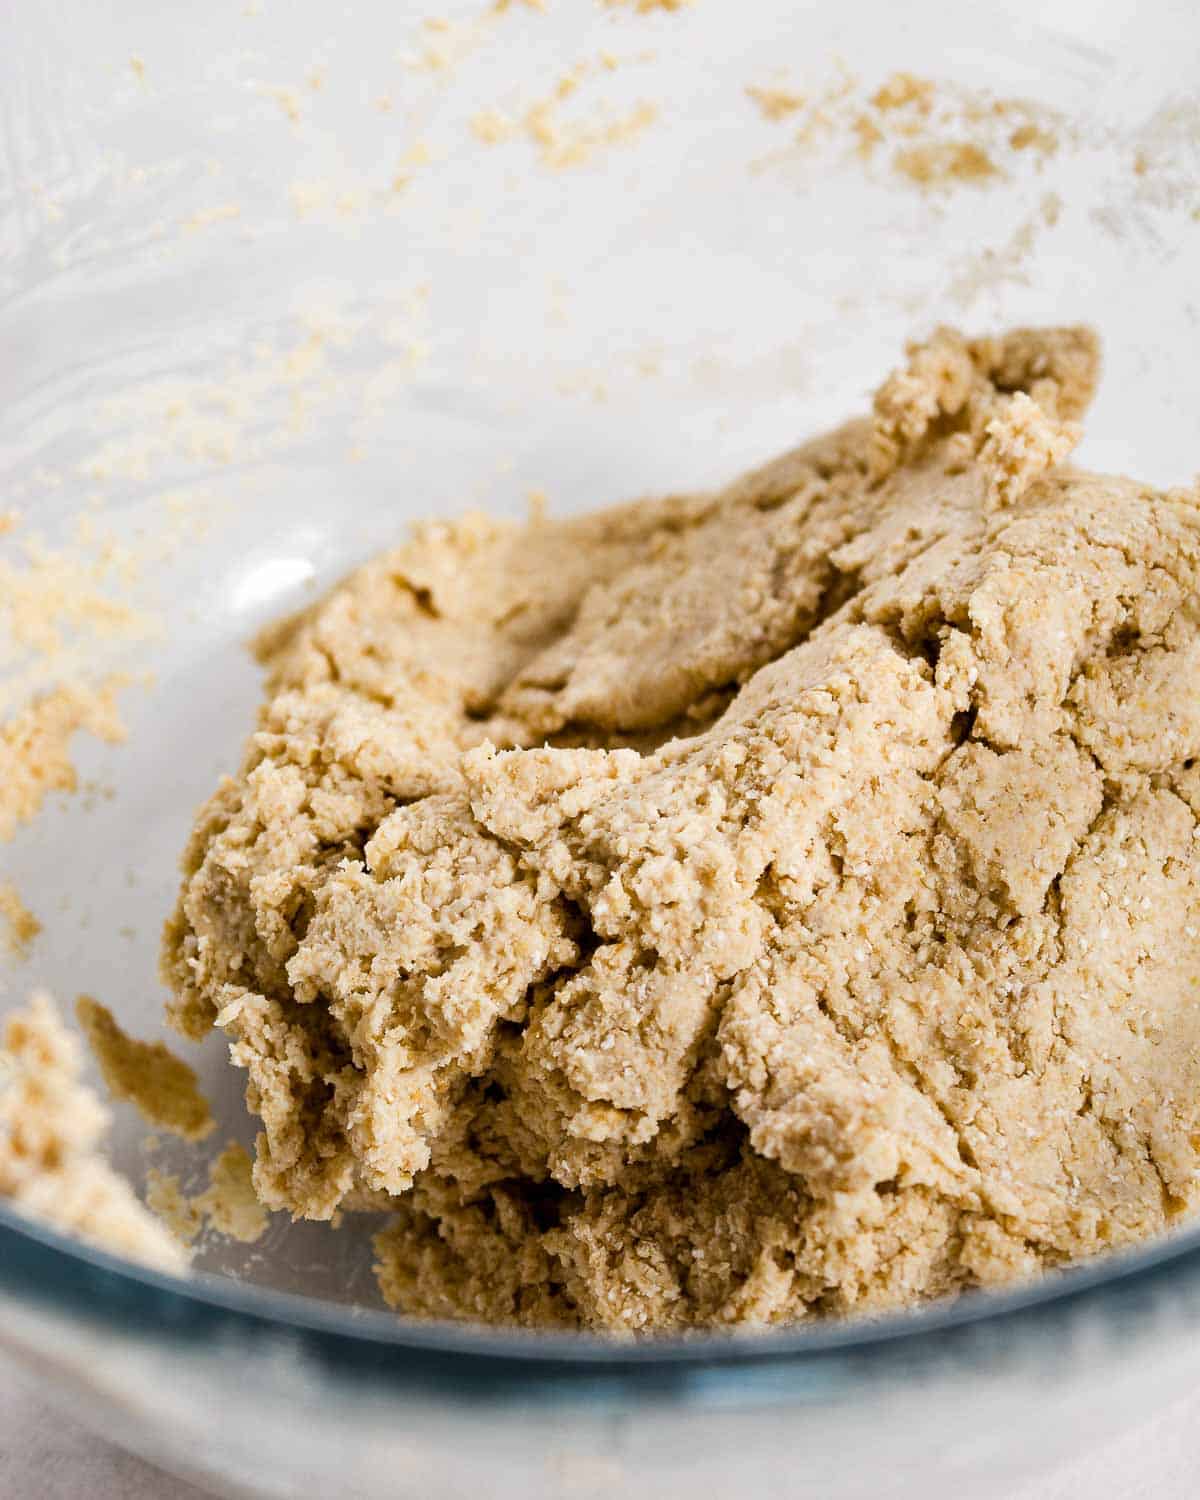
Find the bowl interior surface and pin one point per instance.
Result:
(275, 283)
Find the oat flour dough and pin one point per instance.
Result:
(52, 1126)
(737, 907)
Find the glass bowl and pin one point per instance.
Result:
(276, 282)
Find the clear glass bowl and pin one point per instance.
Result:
(276, 282)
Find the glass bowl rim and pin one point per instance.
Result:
(38, 1263)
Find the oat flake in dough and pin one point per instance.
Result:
(735, 907)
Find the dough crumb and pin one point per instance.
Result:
(900, 90)
(168, 1202)
(51, 1126)
(162, 1087)
(742, 907)
(220, 213)
(35, 747)
(21, 927)
(229, 1203)
(936, 135)
(228, 1206)
(643, 7)
(776, 104)
(941, 162)
(563, 139)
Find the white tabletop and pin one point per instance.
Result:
(45, 1454)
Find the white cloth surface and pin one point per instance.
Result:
(51, 1456)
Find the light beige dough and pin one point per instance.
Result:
(736, 907)
(162, 1087)
(228, 1206)
(51, 1129)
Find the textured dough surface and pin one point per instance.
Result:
(735, 907)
